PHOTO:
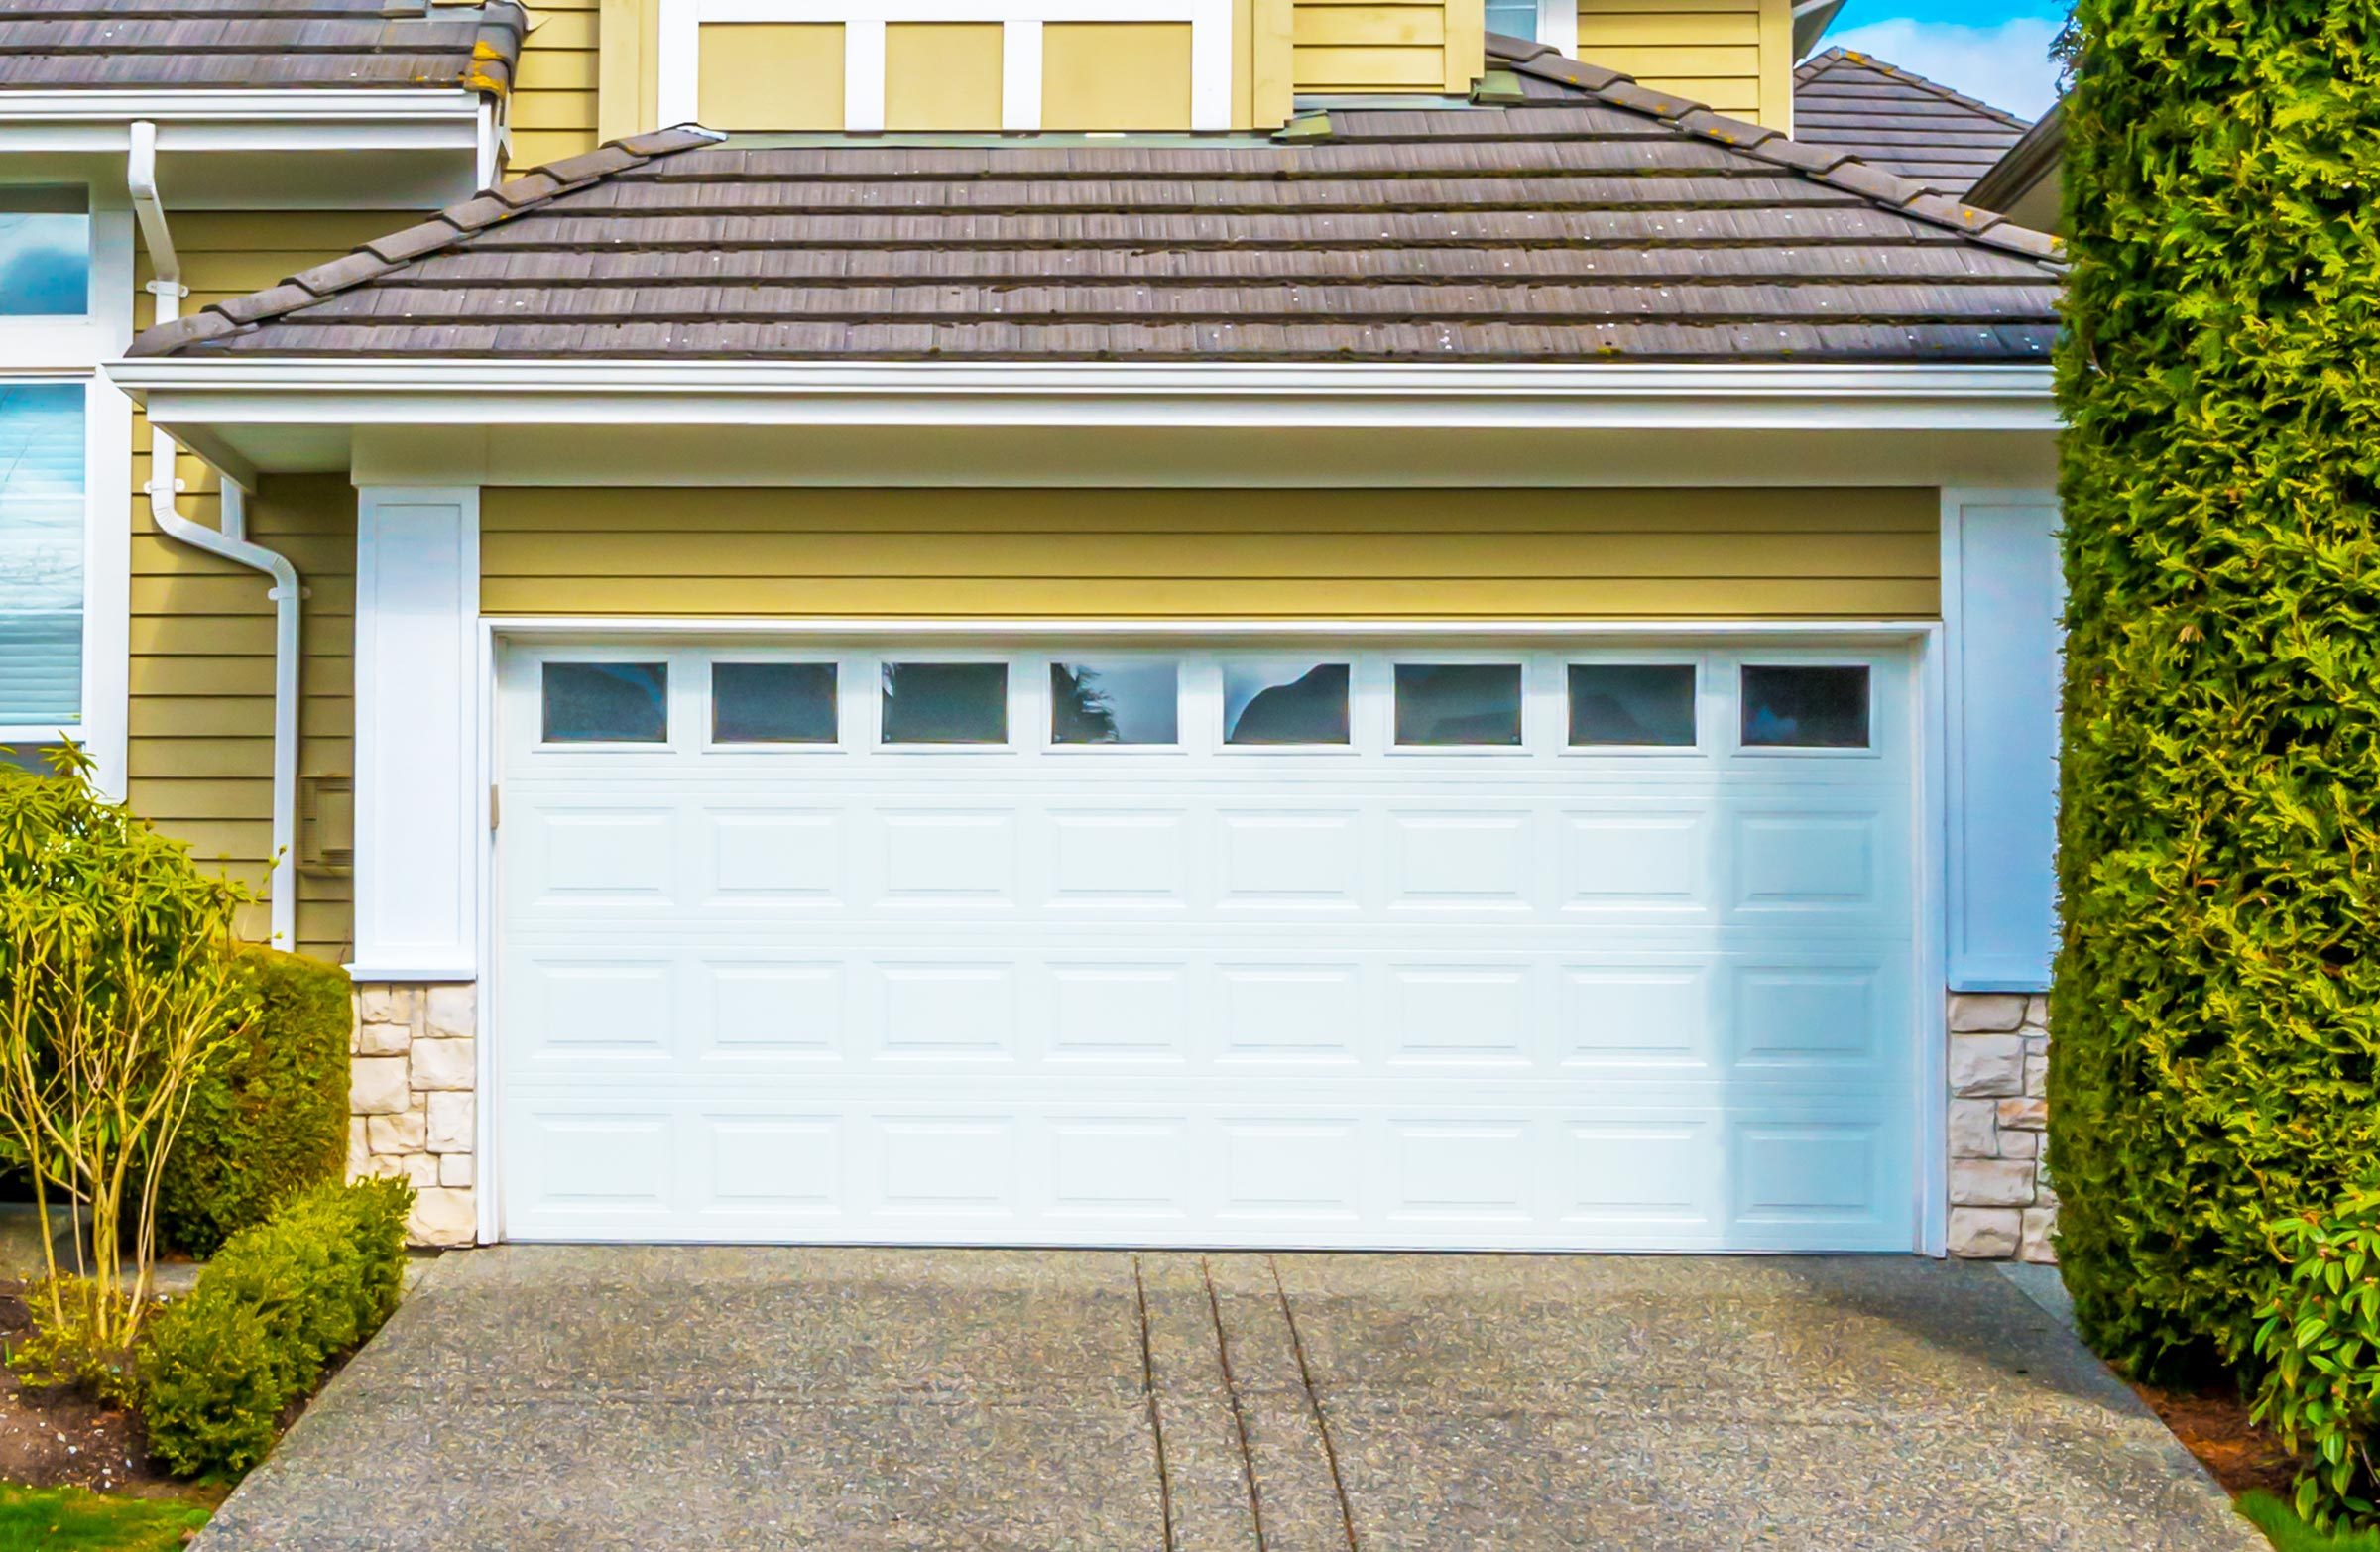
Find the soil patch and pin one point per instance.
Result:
(2215, 1427)
(59, 1439)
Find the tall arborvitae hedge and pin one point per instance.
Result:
(2218, 1001)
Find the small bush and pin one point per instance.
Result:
(2320, 1342)
(283, 1299)
(268, 1117)
(70, 1344)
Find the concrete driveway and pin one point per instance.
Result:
(655, 1398)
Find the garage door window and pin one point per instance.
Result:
(1283, 701)
(1802, 707)
(1458, 705)
(1115, 701)
(946, 703)
(772, 703)
(607, 703)
(1632, 705)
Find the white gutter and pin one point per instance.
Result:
(230, 542)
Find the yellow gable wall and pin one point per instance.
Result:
(554, 110)
(1734, 55)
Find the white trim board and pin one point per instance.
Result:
(2003, 593)
(679, 48)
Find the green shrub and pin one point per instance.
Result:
(268, 1117)
(217, 1368)
(2218, 999)
(2320, 1343)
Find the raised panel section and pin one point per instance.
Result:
(600, 1009)
(1639, 1172)
(1806, 862)
(1635, 862)
(1308, 860)
(1617, 1016)
(1460, 1013)
(775, 1163)
(949, 859)
(1808, 1173)
(1119, 1166)
(947, 1164)
(609, 857)
(1290, 1169)
(775, 1011)
(1120, 1013)
(1477, 1172)
(1290, 1012)
(1475, 861)
(1111, 860)
(607, 1163)
(962, 1010)
(1806, 1015)
(777, 857)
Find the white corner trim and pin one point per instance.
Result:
(417, 812)
(2002, 593)
(1020, 54)
(1558, 26)
(1930, 1017)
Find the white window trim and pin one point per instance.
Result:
(1558, 26)
(679, 49)
(74, 349)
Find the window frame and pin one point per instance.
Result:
(1711, 706)
(1354, 659)
(707, 723)
(1430, 657)
(1743, 660)
(1046, 716)
(52, 349)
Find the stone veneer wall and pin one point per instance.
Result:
(413, 1069)
(2001, 1203)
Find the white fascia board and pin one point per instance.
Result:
(297, 392)
(235, 119)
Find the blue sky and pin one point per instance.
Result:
(1996, 49)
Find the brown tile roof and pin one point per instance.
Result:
(1598, 220)
(177, 45)
(1899, 121)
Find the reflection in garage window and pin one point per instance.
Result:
(946, 703)
(1123, 701)
(1279, 701)
(1458, 703)
(607, 702)
(1633, 704)
(1805, 707)
(772, 703)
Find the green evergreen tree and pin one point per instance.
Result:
(2217, 1001)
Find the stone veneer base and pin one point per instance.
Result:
(414, 1066)
(2001, 1200)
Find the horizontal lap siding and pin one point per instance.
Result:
(1382, 45)
(1734, 55)
(552, 107)
(200, 756)
(1189, 555)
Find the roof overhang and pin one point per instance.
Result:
(401, 148)
(939, 423)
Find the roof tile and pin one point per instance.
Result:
(130, 44)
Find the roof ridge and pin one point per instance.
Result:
(1817, 65)
(1840, 56)
(1834, 169)
(516, 197)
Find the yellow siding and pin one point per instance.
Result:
(1185, 554)
(201, 629)
(942, 76)
(1734, 55)
(1360, 46)
(762, 75)
(554, 105)
(628, 82)
(1115, 75)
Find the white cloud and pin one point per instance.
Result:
(2007, 65)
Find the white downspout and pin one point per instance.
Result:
(231, 543)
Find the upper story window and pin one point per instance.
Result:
(43, 490)
(45, 252)
(1513, 18)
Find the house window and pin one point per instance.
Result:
(1458, 705)
(946, 703)
(1513, 18)
(1118, 701)
(44, 252)
(1638, 705)
(772, 703)
(1805, 707)
(43, 505)
(1284, 702)
(607, 702)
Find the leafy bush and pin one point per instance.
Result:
(2218, 984)
(2320, 1341)
(71, 1343)
(269, 1116)
(116, 989)
(283, 1298)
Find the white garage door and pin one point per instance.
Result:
(1066, 943)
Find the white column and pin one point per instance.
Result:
(416, 734)
(2002, 597)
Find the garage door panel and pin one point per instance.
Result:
(1535, 997)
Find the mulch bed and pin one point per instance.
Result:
(58, 1439)
(2215, 1427)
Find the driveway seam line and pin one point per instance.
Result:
(1157, 1420)
(1322, 1423)
(1231, 1388)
